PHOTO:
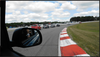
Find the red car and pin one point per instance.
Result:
(36, 26)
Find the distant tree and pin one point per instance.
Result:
(82, 18)
(98, 18)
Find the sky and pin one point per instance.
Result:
(40, 11)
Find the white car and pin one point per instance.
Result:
(26, 26)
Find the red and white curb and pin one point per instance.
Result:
(67, 47)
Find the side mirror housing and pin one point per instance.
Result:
(26, 37)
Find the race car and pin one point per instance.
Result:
(45, 26)
(36, 26)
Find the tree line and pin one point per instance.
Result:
(28, 23)
(84, 18)
(76, 19)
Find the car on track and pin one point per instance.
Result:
(45, 26)
(52, 25)
(26, 26)
(57, 25)
(36, 26)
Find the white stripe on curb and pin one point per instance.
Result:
(63, 35)
(63, 32)
(81, 55)
(66, 42)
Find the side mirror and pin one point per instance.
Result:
(26, 37)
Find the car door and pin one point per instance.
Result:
(39, 27)
(6, 45)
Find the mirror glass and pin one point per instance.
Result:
(26, 37)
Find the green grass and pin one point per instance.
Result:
(86, 35)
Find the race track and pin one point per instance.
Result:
(49, 45)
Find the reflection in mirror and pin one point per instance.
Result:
(28, 37)
(31, 37)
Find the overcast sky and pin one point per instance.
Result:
(30, 11)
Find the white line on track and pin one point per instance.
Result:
(59, 51)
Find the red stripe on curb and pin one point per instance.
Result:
(71, 50)
(63, 38)
(63, 33)
(63, 30)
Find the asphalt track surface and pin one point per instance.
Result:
(49, 45)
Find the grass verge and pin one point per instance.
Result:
(86, 35)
